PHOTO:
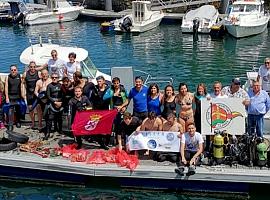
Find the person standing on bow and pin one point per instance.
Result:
(72, 66)
(54, 65)
(14, 94)
(29, 79)
(258, 106)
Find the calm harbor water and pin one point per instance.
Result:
(164, 51)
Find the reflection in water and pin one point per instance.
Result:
(163, 51)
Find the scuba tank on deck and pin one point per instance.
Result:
(261, 152)
(218, 148)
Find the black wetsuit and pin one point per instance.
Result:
(97, 99)
(76, 105)
(68, 93)
(53, 113)
(127, 130)
(168, 107)
(30, 81)
(14, 94)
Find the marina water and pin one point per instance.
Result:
(162, 52)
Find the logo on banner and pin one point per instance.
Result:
(220, 115)
(93, 122)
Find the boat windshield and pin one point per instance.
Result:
(245, 8)
(89, 70)
(238, 8)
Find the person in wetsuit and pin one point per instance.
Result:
(13, 93)
(30, 77)
(78, 103)
(54, 108)
(68, 92)
(100, 104)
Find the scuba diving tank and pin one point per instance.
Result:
(261, 151)
(218, 148)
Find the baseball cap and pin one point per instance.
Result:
(236, 81)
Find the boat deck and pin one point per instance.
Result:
(154, 174)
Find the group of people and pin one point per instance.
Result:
(58, 87)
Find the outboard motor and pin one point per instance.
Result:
(16, 12)
(196, 24)
(126, 24)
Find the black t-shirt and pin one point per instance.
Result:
(127, 130)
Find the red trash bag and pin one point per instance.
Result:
(110, 155)
(133, 162)
(79, 156)
(96, 158)
(122, 158)
(68, 150)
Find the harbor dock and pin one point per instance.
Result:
(26, 166)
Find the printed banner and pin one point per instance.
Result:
(154, 141)
(93, 122)
(223, 114)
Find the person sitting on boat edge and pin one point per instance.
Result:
(191, 149)
(258, 106)
(40, 93)
(139, 95)
(54, 108)
(264, 75)
(14, 94)
(172, 125)
(117, 94)
(29, 79)
(128, 125)
(54, 65)
(78, 103)
(154, 98)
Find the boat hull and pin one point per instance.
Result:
(143, 26)
(240, 31)
(52, 17)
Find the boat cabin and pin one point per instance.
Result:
(53, 5)
(141, 11)
(247, 6)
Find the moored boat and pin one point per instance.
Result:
(41, 53)
(142, 18)
(57, 11)
(200, 20)
(247, 18)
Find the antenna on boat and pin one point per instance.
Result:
(32, 49)
(40, 40)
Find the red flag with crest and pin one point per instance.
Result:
(93, 122)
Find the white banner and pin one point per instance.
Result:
(154, 140)
(223, 114)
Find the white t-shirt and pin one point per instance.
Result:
(56, 66)
(191, 143)
(72, 68)
(212, 95)
(264, 73)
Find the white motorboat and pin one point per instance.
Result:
(200, 20)
(41, 53)
(57, 11)
(142, 18)
(246, 18)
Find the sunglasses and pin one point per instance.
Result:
(13, 70)
(54, 55)
(55, 77)
(267, 62)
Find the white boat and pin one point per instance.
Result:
(246, 18)
(142, 18)
(41, 53)
(57, 11)
(200, 19)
